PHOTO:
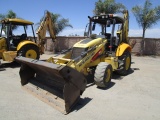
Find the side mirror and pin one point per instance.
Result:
(108, 23)
(119, 27)
(2, 34)
(85, 33)
(93, 27)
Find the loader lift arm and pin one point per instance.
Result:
(46, 25)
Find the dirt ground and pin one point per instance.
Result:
(133, 97)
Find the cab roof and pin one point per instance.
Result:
(101, 19)
(16, 21)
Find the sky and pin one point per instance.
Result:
(77, 11)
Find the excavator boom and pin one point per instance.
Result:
(46, 25)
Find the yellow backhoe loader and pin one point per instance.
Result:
(60, 81)
(13, 43)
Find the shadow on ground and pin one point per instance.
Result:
(111, 84)
(116, 76)
(81, 103)
(10, 65)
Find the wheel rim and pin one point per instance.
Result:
(31, 54)
(108, 73)
(128, 61)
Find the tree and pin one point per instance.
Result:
(10, 14)
(2, 16)
(60, 23)
(108, 7)
(146, 16)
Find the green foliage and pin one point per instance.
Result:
(2, 16)
(108, 7)
(60, 23)
(146, 16)
(10, 14)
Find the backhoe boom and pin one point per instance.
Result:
(46, 25)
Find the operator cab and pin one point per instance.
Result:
(15, 32)
(107, 25)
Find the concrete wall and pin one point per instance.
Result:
(151, 45)
(61, 43)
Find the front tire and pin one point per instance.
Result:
(103, 74)
(29, 51)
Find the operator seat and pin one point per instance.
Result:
(18, 39)
(108, 36)
(23, 37)
(114, 42)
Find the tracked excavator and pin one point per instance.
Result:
(59, 81)
(13, 43)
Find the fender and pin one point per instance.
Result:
(25, 42)
(121, 48)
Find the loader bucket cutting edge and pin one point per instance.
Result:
(58, 85)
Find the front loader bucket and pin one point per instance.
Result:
(58, 85)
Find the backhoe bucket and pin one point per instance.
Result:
(58, 85)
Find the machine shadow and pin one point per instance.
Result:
(84, 101)
(109, 86)
(90, 82)
(116, 76)
(10, 65)
(81, 103)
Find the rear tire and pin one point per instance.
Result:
(124, 67)
(103, 74)
(29, 51)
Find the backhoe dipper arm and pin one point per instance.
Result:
(46, 25)
(122, 32)
(126, 26)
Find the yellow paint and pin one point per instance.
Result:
(3, 46)
(17, 21)
(128, 60)
(97, 41)
(121, 48)
(9, 55)
(24, 42)
(31, 54)
(108, 73)
(112, 61)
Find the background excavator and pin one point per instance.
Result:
(12, 45)
(46, 25)
(60, 81)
